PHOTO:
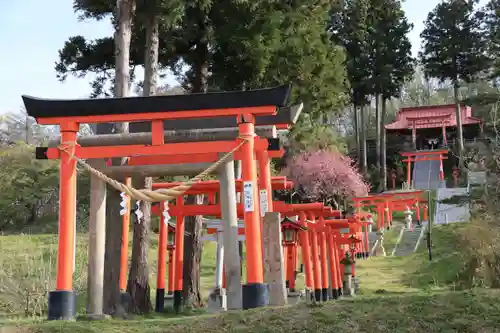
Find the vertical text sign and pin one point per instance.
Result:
(264, 205)
(248, 197)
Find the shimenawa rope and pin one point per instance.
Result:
(149, 195)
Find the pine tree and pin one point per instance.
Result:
(454, 48)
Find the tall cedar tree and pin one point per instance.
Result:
(349, 28)
(391, 62)
(453, 48)
(492, 11)
(138, 279)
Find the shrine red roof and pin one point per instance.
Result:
(432, 116)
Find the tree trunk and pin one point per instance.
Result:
(383, 145)
(362, 118)
(138, 282)
(356, 134)
(460, 136)
(192, 242)
(192, 256)
(378, 127)
(112, 301)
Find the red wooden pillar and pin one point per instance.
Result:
(306, 253)
(290, 266)
(441, 171)
(417, 212)
(316, 265)
(333, 265)
(324, 266)
(340, 271)
(255, 292)
(179, 256)
(61, 303)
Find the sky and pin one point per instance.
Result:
(32, 32)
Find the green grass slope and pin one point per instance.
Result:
(475, 311)
(397, 294)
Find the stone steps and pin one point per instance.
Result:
(408, 241)
(426, 175)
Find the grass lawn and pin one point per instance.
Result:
(397, 294)
(473, 311)
(28, 272)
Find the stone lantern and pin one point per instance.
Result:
(408, 219)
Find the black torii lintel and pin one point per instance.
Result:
(45, 108)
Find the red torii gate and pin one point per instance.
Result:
(70, 114)
(436, 155)
(384, 202)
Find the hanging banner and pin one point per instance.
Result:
(264, 204)
(138, 211)
(248, 203)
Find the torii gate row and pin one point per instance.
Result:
(435, 155)
(316, 248)
(383, 202)
(290, 244)
(354, 224)
(180, 210)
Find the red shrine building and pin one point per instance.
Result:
(433, 126)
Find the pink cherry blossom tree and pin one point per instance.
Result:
(325, 176)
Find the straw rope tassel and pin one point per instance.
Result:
(149, 195)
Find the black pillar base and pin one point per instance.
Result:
(255, 295)
(367, 255)
(317, 295)
(335, 293)
(62, 305)
(178, 301)
(160, 300)
(339, 292)
(324, 294)
(287, 284)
